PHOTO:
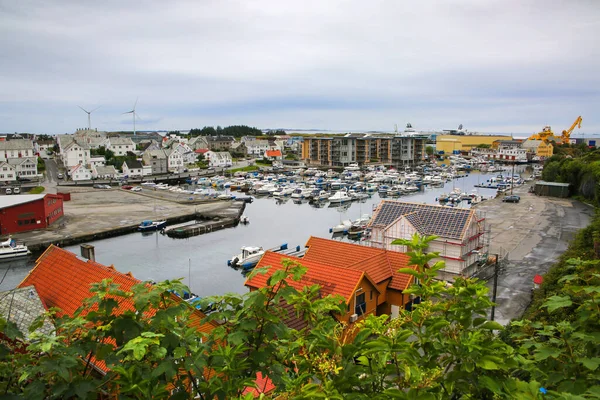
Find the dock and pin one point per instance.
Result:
(199, 227)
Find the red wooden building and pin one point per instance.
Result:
(27, 212)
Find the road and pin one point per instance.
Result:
(533, 233)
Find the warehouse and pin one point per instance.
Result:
(552, 189)
(29, 212)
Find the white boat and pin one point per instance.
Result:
(352, 167)
(343, 227)
(248, 258)
(244, 219)
(284, 192)
(339, 197)
(10, 249)
(149, 225)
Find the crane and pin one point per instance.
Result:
(567, 133)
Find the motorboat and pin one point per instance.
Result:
(339, 197)
(248, 258)
(10, 249)
(344, 226)
(244, 219)
(149, 225)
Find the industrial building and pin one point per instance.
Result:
(456, 144)
(551, 189)
(27, 212)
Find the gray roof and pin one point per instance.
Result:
(106, 170)
(9, 201)
(220, 138)
(559, 184)
(16, 144)
(22, 306)
(427, 219)
(19, 161)
(133, 164)
(160, 154)
(119, 141)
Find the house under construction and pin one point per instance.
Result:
(462, 234)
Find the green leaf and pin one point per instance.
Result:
(493, 325)
(544, 352)
(486, 362)
(489, 383)
(556, 302)
(590, 363)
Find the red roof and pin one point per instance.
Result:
(201, 151)
(273, 153)
(379, 264)
(333, 280)
(264, 385)
(63, 280)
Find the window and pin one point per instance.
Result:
(360, 306)
(371, 295)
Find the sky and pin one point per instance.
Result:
(509, 66)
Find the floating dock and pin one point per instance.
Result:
(197, 227)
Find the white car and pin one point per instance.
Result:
(136, 189)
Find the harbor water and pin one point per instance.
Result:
(202, 260)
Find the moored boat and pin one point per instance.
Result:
(149, 225)
(10, 249)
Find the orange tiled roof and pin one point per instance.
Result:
(333, 280)
(379, 264)
(63, 280)
(273, 153)
(263, 383)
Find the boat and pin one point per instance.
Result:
(251, 255)
(339, 197)
(344, 226)
(244, 219)
(10, 249)
(149, 225)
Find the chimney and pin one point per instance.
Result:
(88, 251)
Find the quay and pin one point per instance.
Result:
(94, 214)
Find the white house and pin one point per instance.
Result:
(72, 152)
(273, 155)
(97, 161)
(24, 167)
(16, 148)
(120, 146)
(461, 233)
(132, 168)
(218, 159)
(174, 160)
(104, 172)
(198, 142)
(7, 172)
(80, 173)
(43, 145)
(187, 154)
(256, 148)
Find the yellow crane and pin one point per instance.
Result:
(567, 133)
(545, 135)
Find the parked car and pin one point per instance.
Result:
(136, 189)
(127, 187)
(513, 198)
(101, 186)
(60, 176)
(8, 191)
(17, 190)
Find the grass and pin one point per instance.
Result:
(249, 168)
(37, 190)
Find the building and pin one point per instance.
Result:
(462, 236)
(509, 154)
(220, 142)
(188, 156)
(256, 148)
(198, 142)
(273, 155)
(43, 145)
(120, 146)
(16, 148)
(363, 149)
(73, 152)
(97, 161)
(132, 168)
(542, 149)
(64, 281)
(23, 306)
(551, 189)
(24, 167)
(27, 212)
(455, 144)
(156, 160)
(104, 172)
(80, 172)
(8, 172)
(219, 159)
(174, 161)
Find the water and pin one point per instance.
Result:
(202, 260)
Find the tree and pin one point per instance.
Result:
(429, 150)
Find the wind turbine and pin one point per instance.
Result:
(89, 113)
(134, 114)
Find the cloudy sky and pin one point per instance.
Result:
(495, 66)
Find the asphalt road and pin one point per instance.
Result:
(51, 170)
(533, 234)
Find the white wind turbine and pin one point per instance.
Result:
(89, 113)
(134, 115)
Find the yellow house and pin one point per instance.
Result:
(541, 148)
(450, 143)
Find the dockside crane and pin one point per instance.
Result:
(566, 134)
